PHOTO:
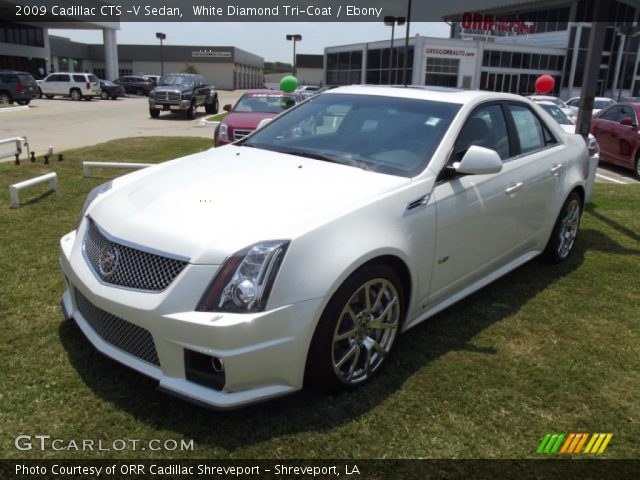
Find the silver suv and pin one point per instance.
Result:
(17, 87)
(74, 85)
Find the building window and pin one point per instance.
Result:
(344, 68)
(123, 72)
(442, 72)
(21, 34)
(378, 66)
(99, 72)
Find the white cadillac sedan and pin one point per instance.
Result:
(298, 254)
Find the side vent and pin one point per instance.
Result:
(416, 204)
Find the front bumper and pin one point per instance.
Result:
(169, 105)
(264, 354)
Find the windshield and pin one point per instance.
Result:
(557, 114)
(384, 134)
(265, 102)
(177, 80)
(600, 104)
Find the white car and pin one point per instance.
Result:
(555, 100)
(599, 103)
(308, 90)
(299, 253)
(78, 86)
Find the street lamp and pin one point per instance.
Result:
(627, 31)
(161, 36)
(391, 21)
(295, 37)
(406, 45)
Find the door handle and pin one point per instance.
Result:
(514, 188)
(555, 171)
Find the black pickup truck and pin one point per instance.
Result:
(182, 92)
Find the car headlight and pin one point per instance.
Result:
(93, 194)
(244, 281)
(593, 146)
(223, 132)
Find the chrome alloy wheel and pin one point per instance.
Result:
(569, 228)
(365, 331)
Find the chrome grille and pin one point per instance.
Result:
(124, 335)
(128, 267)
(238, 133)
(170, 96)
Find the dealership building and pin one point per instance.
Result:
(505, 49)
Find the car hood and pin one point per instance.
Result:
(248, 120)
(172, 88)
(209, 205)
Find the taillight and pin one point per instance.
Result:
(20, 86)
(88, 86)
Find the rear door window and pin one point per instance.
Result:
(530, 131)
(78, 78)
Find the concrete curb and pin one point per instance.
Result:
(13, 109)
(205, 123)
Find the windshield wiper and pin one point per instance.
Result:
(340, 160)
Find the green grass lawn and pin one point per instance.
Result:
(544, 349)
(218, 117)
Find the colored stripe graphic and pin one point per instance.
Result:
(574, 442)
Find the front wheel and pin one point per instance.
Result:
(565, 230)
(638, 165)
(39, 92)
(191, 111)
(213, 107)
(5, 98)
(357, 330)
(154, 112)
(104, 95)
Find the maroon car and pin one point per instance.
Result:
(616, 130)
(252, 108)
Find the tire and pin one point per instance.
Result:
(39, 92)
(191, 111)
(5, 98)
(75, 94)
(88, 99)
(23, 102)
(214, 107)
(49, 96)
(139, 92)
(565, 230)
(348, 349)
(104, 95)
(154, 112)
(113, 98)
(637, 169)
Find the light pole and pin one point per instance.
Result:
(161, 36)
(406, 45)
(627, 32)
(391, 21)
(295, 37)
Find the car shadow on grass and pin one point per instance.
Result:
(453, 329)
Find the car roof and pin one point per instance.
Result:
(267, 91)
(439, 94)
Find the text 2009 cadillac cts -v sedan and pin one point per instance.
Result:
(299, 253)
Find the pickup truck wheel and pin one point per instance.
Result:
(214, 107)
(75, 94)
(191, 111)
(154, 112)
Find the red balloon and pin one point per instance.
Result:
(544, 84)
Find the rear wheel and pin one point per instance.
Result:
(357, 330)
(565, 231)
(23, 102)
(75, 94)
(39, 92)
(154, 112)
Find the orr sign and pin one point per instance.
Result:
(492, 23)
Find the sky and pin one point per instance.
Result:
(264, 39)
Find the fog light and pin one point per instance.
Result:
(217, 364)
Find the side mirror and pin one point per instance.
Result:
(479, 161)
(227, 107)
(628, 122)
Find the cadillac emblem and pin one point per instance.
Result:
(108, 261)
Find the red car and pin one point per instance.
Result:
(616, 130)
(252, 108)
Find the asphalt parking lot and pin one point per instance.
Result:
(63, 123)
